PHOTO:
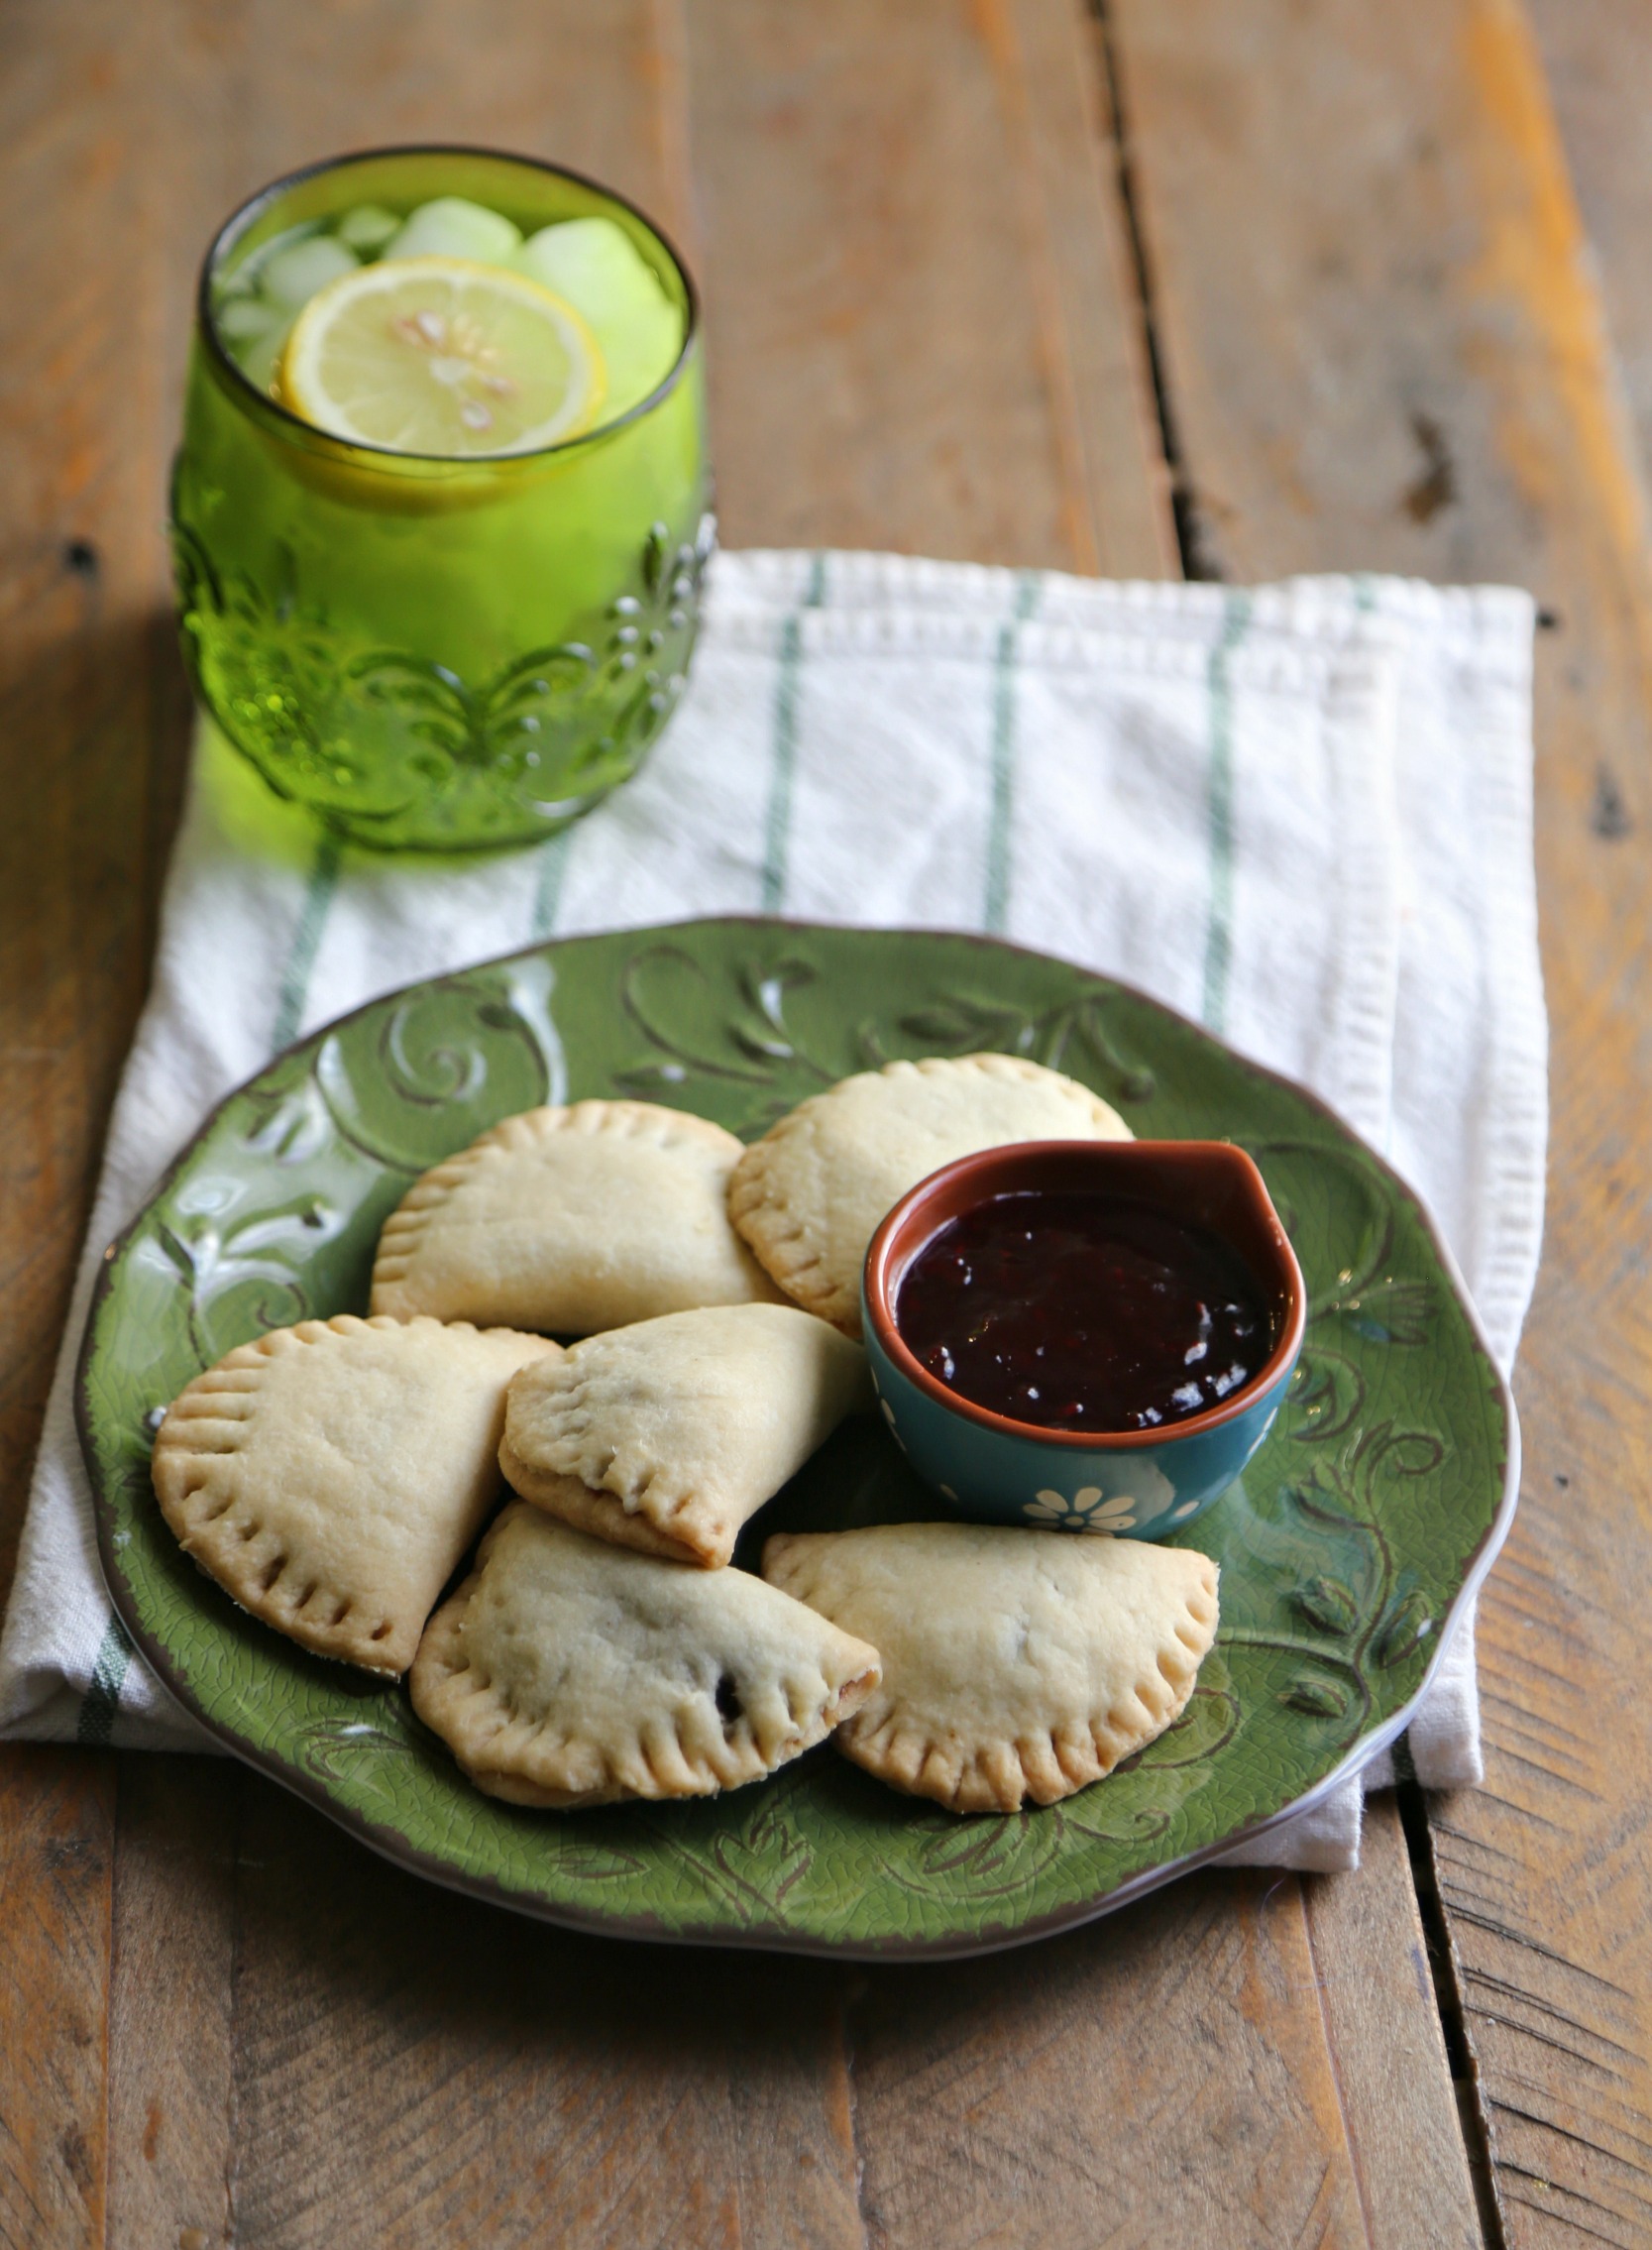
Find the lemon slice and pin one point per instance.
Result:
(441, 356)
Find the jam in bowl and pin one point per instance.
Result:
(1084, 1335)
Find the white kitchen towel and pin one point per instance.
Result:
(1298, 813)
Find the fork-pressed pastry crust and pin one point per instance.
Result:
(330, 1475)
(572, 1220)
(809, 1194)
(569, 1672)
(668, 1435)
(1016, 1663)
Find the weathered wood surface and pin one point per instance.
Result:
(172, 2001)
(1386, 347)
(56, 1877)
(920, 277)
(916, 275)
(91, 715)
(1597, 60)
(1252, 2059)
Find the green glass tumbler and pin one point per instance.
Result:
(430, 654)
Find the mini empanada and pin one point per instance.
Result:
(668, 1435)
(1015, 1663)
(572, 1220)
(809, 1195)
(566, 1671)
(330, 1475)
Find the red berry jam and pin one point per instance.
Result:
(1084, 1311)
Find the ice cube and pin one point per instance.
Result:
(366, 228)
(292, 277)
(452, 227)
(243, 320)
(597, 267)
(260, 358)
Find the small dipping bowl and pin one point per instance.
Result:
(1140, 1484)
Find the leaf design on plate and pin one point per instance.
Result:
(1327, 1603)
(1403, 1631)
(663, 991)
(584, 1860)
(1319, 1698)
(959, 1023)
(1130, 1083)
(1206, 1726)
(429, 1070)
(1391, 1312)
(292, 1126)
(986, 1855)
(339, 1751)
(1326, 1393)
(766, 1861)
(243, 1276)
(962, 1026)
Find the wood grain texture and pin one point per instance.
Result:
(1385, 349)
(268, 86)
(1381, 2021)
(172, 2000)
(1167, 2064)
(92, 717)
(225, 2096)
(411, 2066)
(1257, 2054)
(91, 707)
(919, 328)
(56, 1869)
(922, 336)
(1597, 62)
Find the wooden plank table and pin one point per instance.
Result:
(1156, 286)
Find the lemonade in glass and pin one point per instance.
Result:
(440, 516)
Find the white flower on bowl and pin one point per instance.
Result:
(889, 1417)
(1085, 1512)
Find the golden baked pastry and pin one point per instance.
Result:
(569, 1672)
(668, 1435)
(1016, 1663)
(570, 1221)
(330, 1475)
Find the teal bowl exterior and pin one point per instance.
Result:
(996, 1475)
(1137, 1484)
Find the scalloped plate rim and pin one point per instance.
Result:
(389, 1845)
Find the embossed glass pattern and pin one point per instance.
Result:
(430, 654)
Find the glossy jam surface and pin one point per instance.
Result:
(1079, 1311)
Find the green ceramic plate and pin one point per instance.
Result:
(1361, 1529)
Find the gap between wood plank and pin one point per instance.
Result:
(854, 1992)
(1447, 1997)
(1375, 272)
(1196, 560)
(1356, 2167)
(1199, 564)
(998, 31)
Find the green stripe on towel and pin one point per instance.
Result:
(306, 943)
(102, 1700)
(777, 825)
(1236, 619)
(996, 909)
